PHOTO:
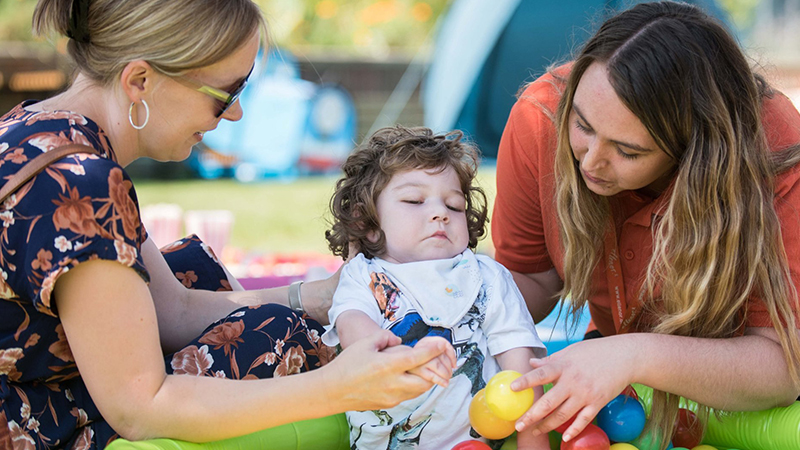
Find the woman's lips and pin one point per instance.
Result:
(593, 179)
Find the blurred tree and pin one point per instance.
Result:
(15, 20)
(351, 26)
(356, 26)
(742, 12)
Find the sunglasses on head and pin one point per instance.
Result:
(224, 98)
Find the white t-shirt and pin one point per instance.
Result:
(470, 300)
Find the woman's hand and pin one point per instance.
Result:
(585, 376)
(365, 377)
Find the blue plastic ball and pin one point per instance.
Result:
(622, 419)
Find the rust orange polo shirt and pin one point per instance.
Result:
(524, 222)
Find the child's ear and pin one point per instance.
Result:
(358, 214)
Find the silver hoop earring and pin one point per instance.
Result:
(146, 115)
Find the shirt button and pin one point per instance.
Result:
(629, 254)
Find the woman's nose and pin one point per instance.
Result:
(234, 113)
(594, 157)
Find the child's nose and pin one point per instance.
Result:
(441, 214)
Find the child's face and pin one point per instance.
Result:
(422, 215)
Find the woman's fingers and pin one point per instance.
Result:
(448, 352)
(543, 372)
(373, 378)
(562, 416)
(421, 354)
(584, 418)
(379, 341)
(429, 375)
(543, 407)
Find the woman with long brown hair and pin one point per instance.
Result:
(654, 179)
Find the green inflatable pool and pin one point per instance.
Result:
(777, 428)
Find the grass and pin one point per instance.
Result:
(269, 216)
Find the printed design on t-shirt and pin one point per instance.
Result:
(411, 328)
(385, 293)
(472, 367)
(476, 315)
(406, 435)
(403, 435)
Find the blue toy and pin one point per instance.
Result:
(622, 419)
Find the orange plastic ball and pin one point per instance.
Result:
(484, 422)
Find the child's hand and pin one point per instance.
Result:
(442, 366)
(438, 370)
(527, 441)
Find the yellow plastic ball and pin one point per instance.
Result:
(704, 447)
(623, 446)
(502, 401)
(484, 422)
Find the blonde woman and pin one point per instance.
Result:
(88, 304)
(654, 179)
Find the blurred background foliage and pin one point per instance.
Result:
(372, 27)
(742, 12)
(369, 27)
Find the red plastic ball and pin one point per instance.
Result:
(630, 392)
(591, 438)
(563, 427)
(471, 445)
(688, 430)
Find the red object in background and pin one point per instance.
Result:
(471, 445)
(630, 392)
(688, 432)
(563, 427)
(591, 438)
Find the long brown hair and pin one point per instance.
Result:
(719, 240)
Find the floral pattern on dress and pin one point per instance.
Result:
(234, 346)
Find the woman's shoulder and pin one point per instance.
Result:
(545, 92)
(29, 132)
(25, 134)
(781, 121)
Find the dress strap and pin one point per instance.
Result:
(37, 164)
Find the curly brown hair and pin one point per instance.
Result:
(369, 169)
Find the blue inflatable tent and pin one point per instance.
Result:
(487, 49)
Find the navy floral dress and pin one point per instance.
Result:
(81, 208)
